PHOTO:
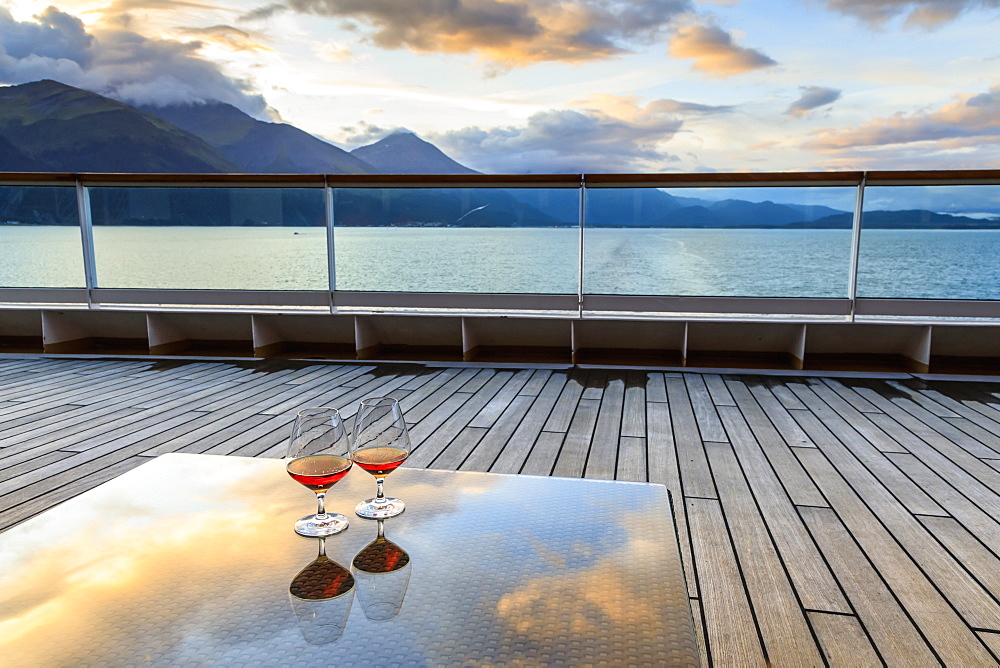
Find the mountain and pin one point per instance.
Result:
(260, 147)
(734, 212)
(13, 159)
(406, 153)
(914, 219)
(71, 130)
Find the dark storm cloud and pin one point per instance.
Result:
(116, 63)
(812, 97)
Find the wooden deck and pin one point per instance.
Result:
(822, 521)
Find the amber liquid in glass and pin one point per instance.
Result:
(380, 461)
(318, 472)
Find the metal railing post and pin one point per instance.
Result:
(581, 222)
(331, 259)
(852, 284)
(87, 241)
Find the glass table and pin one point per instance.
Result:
(192, 560)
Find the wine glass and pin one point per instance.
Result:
(321, 598)
(381, 444)
(382, 572)
(318, 456)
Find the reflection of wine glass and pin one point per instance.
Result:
(321, 598)
(381, 443)
(382, 570)
(318, 456)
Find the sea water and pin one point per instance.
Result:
(933, 264)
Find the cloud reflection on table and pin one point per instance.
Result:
(178, 562)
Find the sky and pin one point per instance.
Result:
(544, 86)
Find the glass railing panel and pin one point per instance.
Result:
(210, 238)
(719, 242)
(520, 241)
(40, 243)
(930, 242)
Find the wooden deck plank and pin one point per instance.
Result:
(602, 460)
(656, 390)
(593, 386)
(631, 459)
(516, 450)
(536, 382)
(817, 465)
(459, 448)
(982, 522)
(729, 622)
(813, 581)
(573, 456)
(704, 410)
(717, 390)
(562, 412)
(848, 434)
(662, 468)
(422, 402)
(982, 415)
(897, 639)
(450, 429)
(498, 404)
(783, 626)
(494, 441)
(783, 393)
(477, 381)
(977, 559)
(934, 423)
(543, 456)
(696, 478)
(796, 482)
(429, 425)
(942, 451)
(952, 639)
(925, 402)
(843, 640)
(634, 410)
(782, 420)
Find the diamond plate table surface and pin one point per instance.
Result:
(187, 560)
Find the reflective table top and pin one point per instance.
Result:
(192, 560)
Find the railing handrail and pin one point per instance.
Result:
(592, 180)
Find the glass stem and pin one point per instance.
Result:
(381, 528)
(321, 499)
(380, 496)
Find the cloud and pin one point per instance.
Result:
(714, 51)
(922, 13)
(970, 119)
(812, 97)
(610, 137)
(232, 38)
(116, 62)
(503, 33)
(365, 133)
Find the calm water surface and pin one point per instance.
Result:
(757, 263)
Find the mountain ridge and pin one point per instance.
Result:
(49, 126)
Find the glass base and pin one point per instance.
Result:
(376, 509)
(314, 528)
